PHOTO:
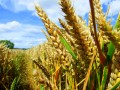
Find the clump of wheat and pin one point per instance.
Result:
(24, 69)
(5, 67)
(79, 33)
(83, 39)
(53, 30)
(112, 34)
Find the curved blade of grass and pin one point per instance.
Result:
(68, 47)
(14, 83)
(98, 78)
(115, 86)
(111, 50)
(104, 78)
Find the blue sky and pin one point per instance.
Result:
(20, 24)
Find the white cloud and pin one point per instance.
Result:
(9, 26)
(52, 8)
(81, 6)
(16, 26)
(23, 35)
(17, 5)
(114, 7)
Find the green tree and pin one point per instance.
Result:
(8, 43)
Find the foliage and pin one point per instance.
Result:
(7, 43)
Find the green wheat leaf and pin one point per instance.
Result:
(115, 86)
(98, 78)
(111, 50)
(14, 83)
(104, 78)
(68, 47)
(42, 87)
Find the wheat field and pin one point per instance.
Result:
(76, 56)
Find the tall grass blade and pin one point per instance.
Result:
(98, 79)
(68, 47)
(14, 83)
(111, 50)
(104, 78)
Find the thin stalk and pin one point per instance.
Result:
(102, 57)
(88, 73)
